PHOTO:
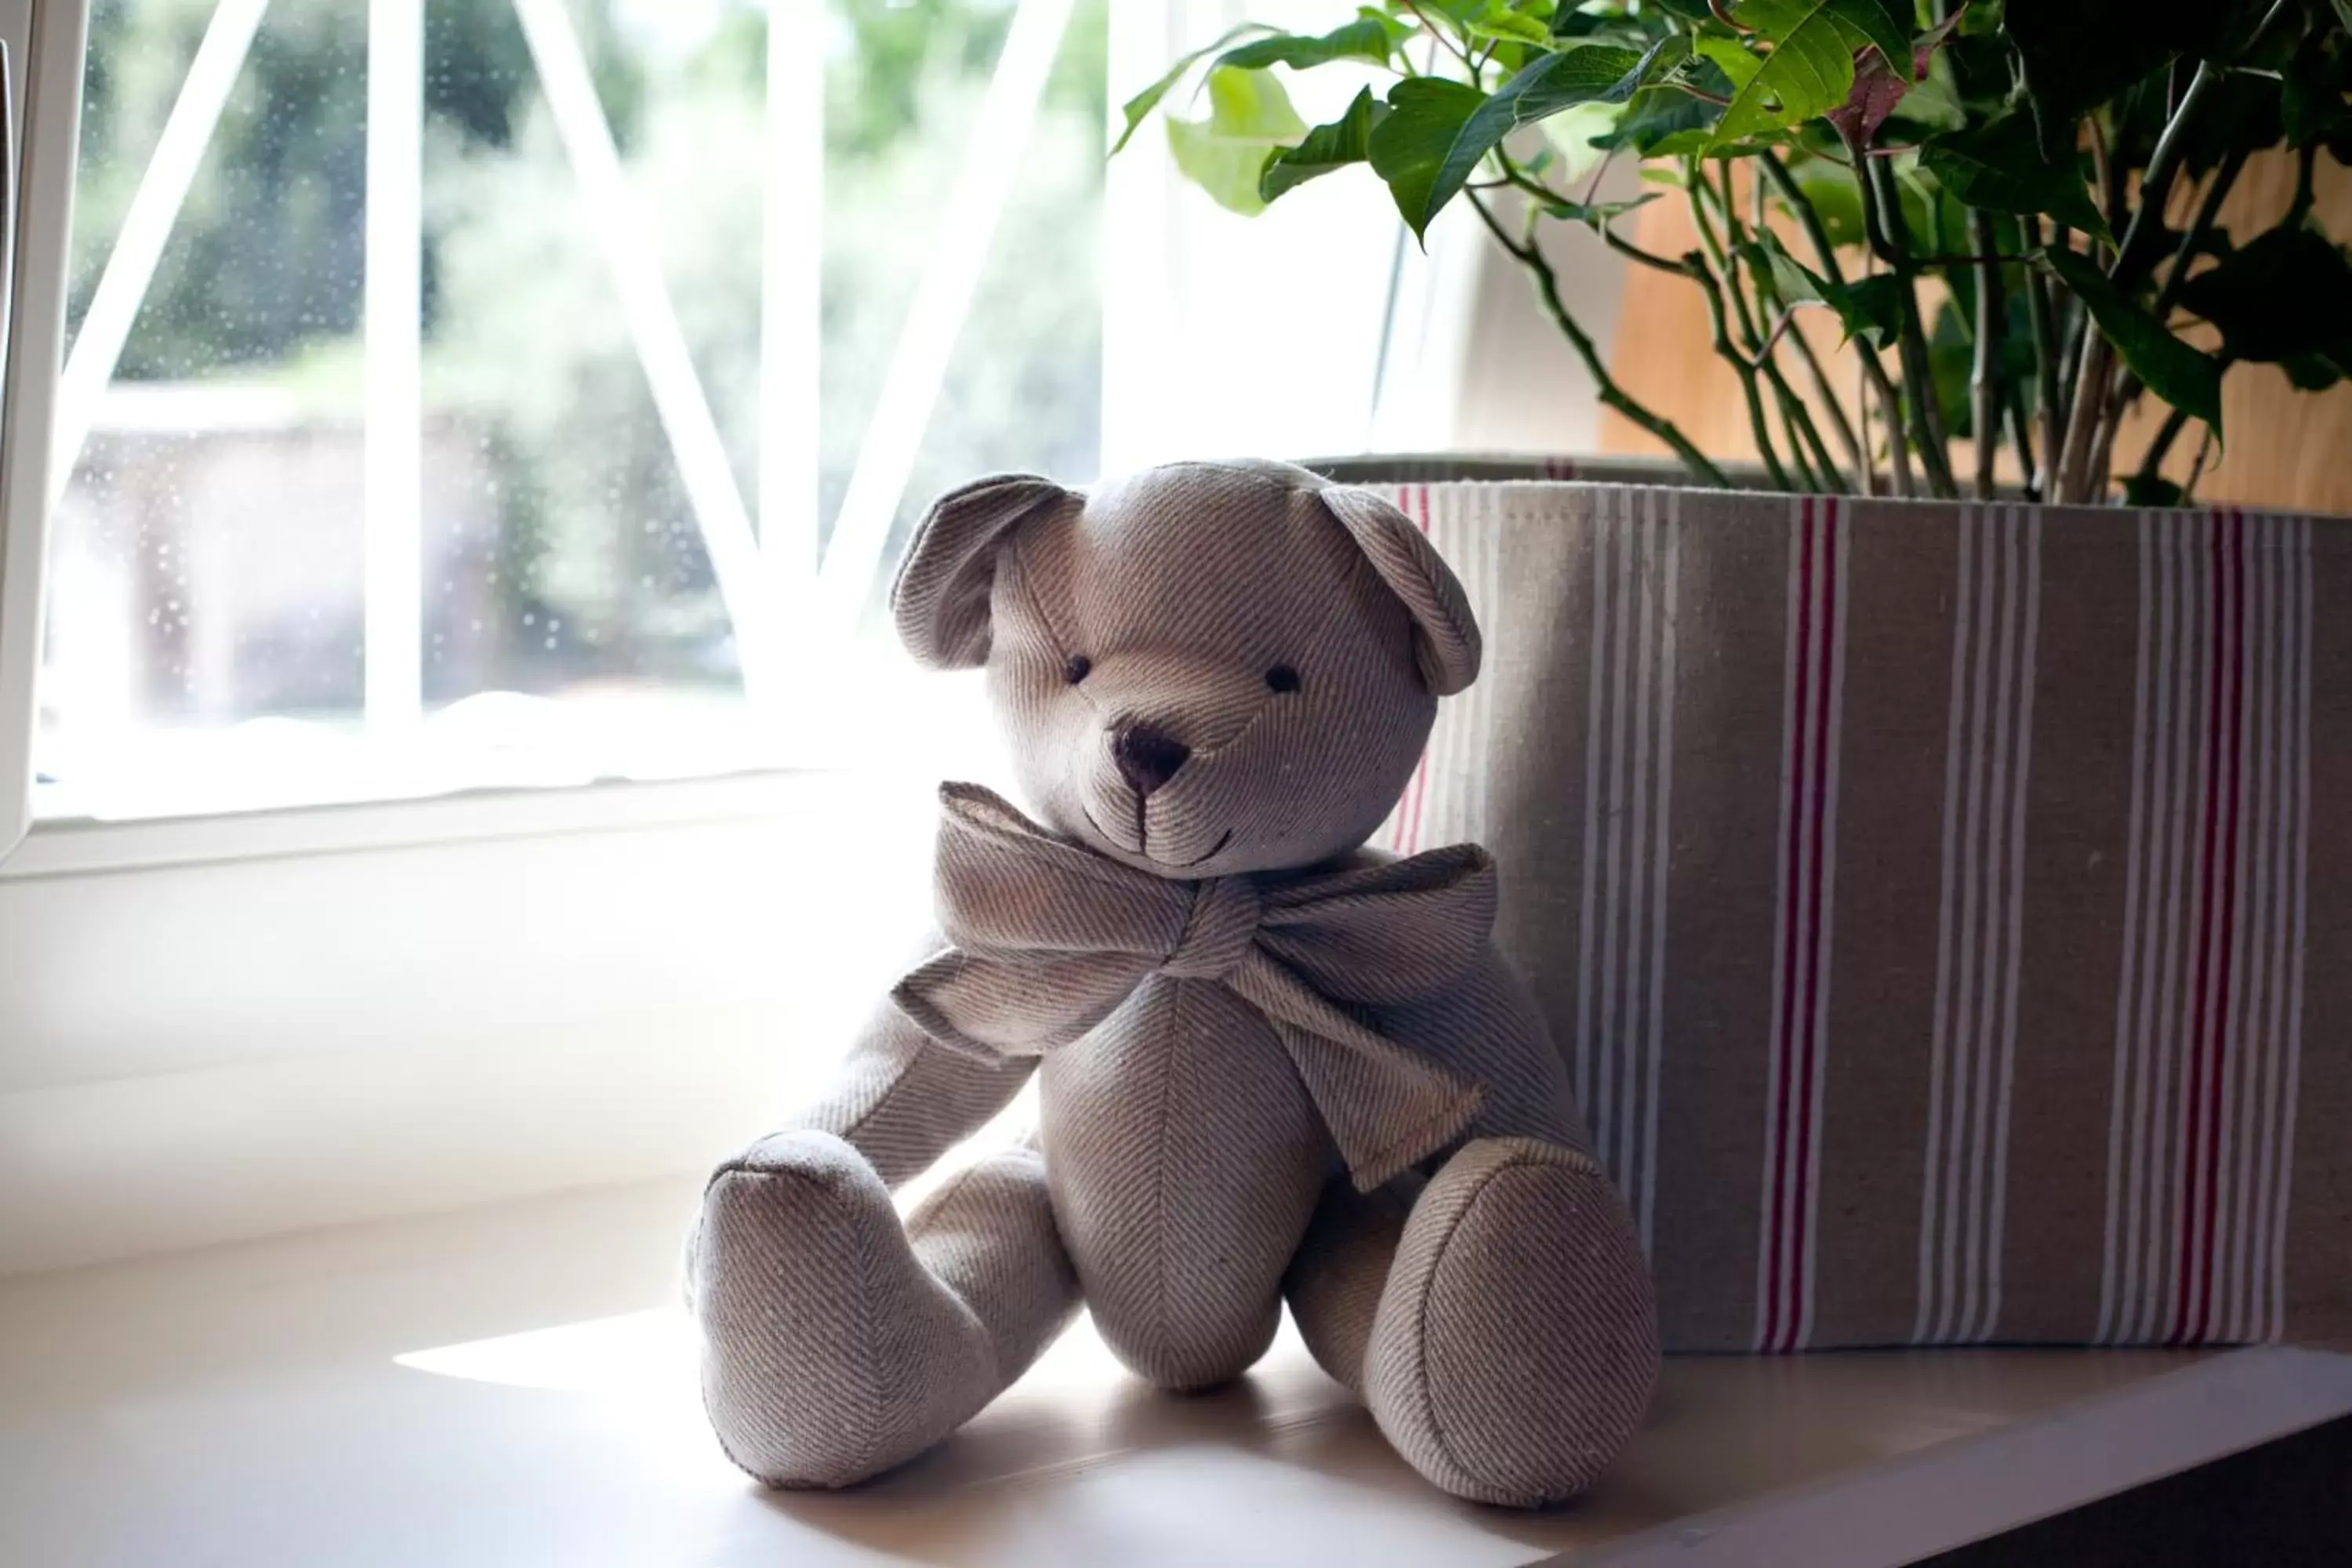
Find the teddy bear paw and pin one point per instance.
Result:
(829, 1354)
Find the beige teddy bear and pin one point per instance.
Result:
(1273, 1065)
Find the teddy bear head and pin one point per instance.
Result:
(1203, 669)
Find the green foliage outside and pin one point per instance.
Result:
(2024, 154)
(524, 345)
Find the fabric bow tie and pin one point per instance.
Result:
(1049, 937)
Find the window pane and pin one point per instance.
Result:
(208, 593)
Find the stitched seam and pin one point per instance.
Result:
(869, 1369)
(1061, 640)
(1428, 1400)
(1265, 704)
(1160, 1182)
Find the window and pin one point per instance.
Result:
(439, 391)
(491, 392)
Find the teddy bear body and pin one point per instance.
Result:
(1271, 1064)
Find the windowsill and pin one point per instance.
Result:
(315, 1017)
(69, 846)
(516, 1384)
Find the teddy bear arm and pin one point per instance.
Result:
(902, 1100)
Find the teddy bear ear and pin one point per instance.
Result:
(940, 598)
(1445, 640)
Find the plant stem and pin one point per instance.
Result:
(1757, 430)
(1547, 281)
(2133, 256)
(2151, 463)
(1984, 379)
(2208, 211)
(1440, 38)
(2045, 366)
(2022, 436)
(1881, 210)
(2196, 468)
(1804, 435)
(1834, 408)
(1873, 373)
(1715, 273)
(1632, 252)
(2306, 158)
(2082, 419)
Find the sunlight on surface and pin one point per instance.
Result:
(651, 1351)
(655, 1353)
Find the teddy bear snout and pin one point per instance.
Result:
(1148, 757)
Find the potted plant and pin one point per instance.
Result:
(1927, 888)
(2013, 210)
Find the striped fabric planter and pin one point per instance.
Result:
(1929, 898)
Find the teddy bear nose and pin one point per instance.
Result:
(1147, 757)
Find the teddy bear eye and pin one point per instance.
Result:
(1078, 668)
(1282, 678)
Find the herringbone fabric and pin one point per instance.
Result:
(1512, 1355)
(1935, 903)
(1216, 678)
(1048, 939)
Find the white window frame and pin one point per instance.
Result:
(44, 41)
(221, 1026)
(487, 993)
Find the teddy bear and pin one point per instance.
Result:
(1273, 1066)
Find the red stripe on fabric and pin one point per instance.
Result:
(2217, 1036)
(1818, 782)
(1793, 896)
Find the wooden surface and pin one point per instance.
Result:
(517, 1386)
(2285, 449)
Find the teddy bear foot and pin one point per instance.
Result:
(1515, 1347)
(837, 1343)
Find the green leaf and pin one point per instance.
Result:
(1499, 24)
(1345, 140)
(1366, 38)
(1249, 115)
(1409, 149)
(1952, 362)
(2315, 373)
(1933, 104)
(2181, 375)
(1657, 112)
(2344, 13)
(1588, 73)
(2078, 53)
(1730, 57)
(1883, 24)
(1834, 197)
(1137, 108)
(1809, 73)
(2283, 294)
(1870, 309)
(2312, 106)
(2000, 167)
(2153, 490)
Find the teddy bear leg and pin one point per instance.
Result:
(836, 1343)
(1334, 1284)
(1516, 1344)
